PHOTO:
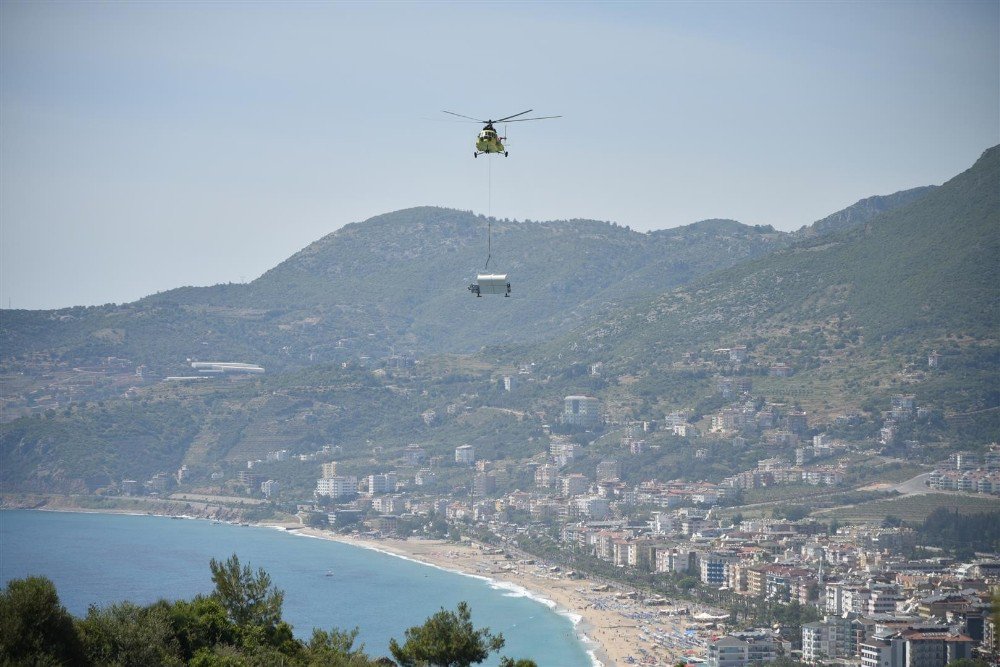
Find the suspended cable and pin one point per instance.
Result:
(489, 242)
(489, 214)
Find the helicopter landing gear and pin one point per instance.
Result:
(475, 154)
(505, 153)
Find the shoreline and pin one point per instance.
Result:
(398, 549)
(609, 619)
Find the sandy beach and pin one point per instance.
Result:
(613, 621)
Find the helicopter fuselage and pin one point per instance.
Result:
(489, 141)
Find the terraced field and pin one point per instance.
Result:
(912, 509)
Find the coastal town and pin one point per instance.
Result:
(664, 571)
(793, 532)
(872, 604)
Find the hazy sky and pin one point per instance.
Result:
(145, 146)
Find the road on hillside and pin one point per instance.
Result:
(915, 486)
(918, 486)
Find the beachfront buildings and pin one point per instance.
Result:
(740, 649)
(827, 639)
(915, 647)
(715, 568)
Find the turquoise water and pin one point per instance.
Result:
(104, 558)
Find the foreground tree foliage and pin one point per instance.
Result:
(126, 634)
(34, 627)
(249, 599)
(446, 639)
(238, 625)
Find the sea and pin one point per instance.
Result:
(99, 559)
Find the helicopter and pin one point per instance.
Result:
(489, 141)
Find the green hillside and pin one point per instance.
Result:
(642, 321)
(927, 268)
(862, 211)
(853, 314)
(396, 280)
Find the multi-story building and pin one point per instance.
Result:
(388, 504)
(880, 651)
(797, 422)
(675, 560)
(329, 469)
(903, 407)
(882, 599)
(727, 652)
(674, 419)
(249, 479)
(581, 411)
(915, 647)
(414, 454)
(592, 507)
(465, 455)
(740, 649)
(546, 476)
(935, 649)
(609, 470)
(563, 451)
(484, 484)
(574, 484)
(337, 486)
(833, 637)
(385, 483)
(715, 568)
(269, 488)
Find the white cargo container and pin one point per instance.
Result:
(490, 283)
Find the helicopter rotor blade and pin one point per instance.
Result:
(466, 117)
(521, 120)
(500, 120)
(449, 120)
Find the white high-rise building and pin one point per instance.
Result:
(336, 487)
(382, 483)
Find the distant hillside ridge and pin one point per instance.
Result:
(924, 270)
(398, 281)
(864, 210)
(651, 324)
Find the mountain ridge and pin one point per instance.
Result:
(848, 318)
(397, 279)
(924, 270)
